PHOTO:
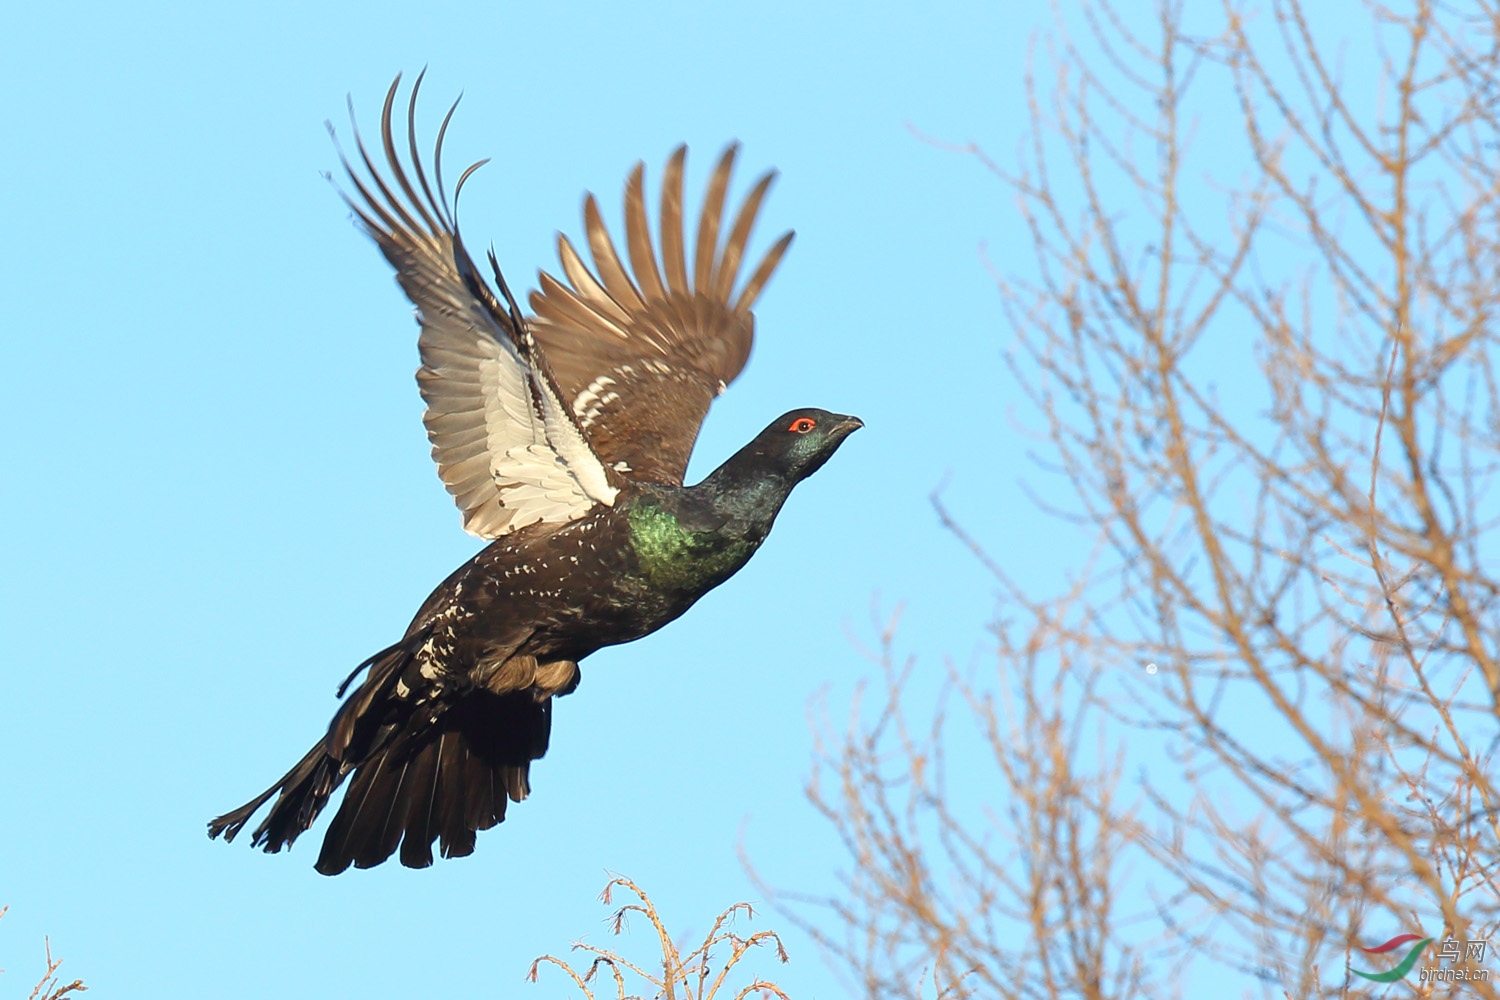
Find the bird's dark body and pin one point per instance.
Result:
(564, 438)
(444, 727)
(609, 578)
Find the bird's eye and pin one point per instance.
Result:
(802, 425)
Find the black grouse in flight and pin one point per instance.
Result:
(564, 438)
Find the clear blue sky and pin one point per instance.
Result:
(218, 496)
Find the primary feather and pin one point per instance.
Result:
(505, 445)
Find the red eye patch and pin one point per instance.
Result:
(802, 425)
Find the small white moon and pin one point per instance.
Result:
(1150, 668)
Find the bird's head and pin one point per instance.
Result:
(797, 443)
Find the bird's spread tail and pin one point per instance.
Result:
(303, 791)
(456, 783)
(413, 783)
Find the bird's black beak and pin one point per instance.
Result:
(845, 427)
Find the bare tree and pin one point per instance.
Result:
(1256, 732)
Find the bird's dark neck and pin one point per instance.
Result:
(748, 488)
(690, 539)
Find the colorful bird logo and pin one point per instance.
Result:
(1403, 967)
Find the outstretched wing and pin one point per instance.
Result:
(639, 360)
(506, 446)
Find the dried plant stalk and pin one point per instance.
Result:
(691, 976)
(49, 987)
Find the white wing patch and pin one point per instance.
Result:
(504, 447)
(582, 465)
(592, 400)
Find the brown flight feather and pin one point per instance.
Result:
(640, 354)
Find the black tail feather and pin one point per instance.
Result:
(398, 814)
(304, 791)
(422, 780)
(456, 836)
(356, 733)
(346, 834)
(442, 784)
(479, 795)
(417, 777)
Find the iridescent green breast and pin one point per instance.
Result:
(672, 557)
